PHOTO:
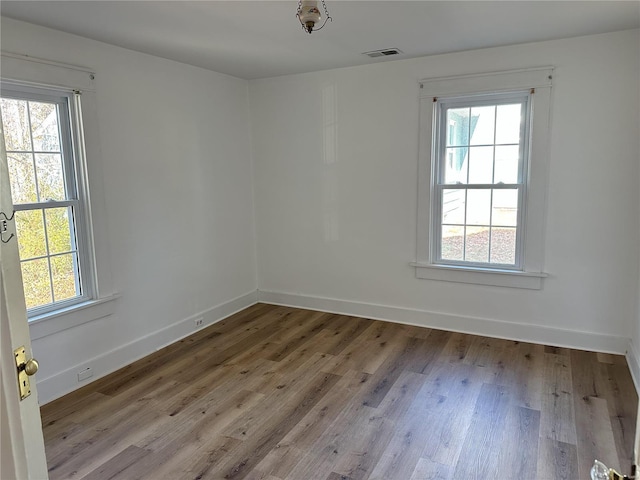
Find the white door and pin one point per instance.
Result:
(22, 444)
(636, 450)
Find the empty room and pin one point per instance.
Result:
(320, 240)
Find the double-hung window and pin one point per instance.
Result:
(480, 180)
(43, 143)
(483, 164)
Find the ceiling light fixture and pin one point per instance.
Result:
(309, 15)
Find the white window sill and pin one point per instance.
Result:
(58, 320)
(480, 276)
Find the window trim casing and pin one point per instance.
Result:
(530, 275)
(49, 74)
(72, 144)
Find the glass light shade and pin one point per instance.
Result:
(309, 14)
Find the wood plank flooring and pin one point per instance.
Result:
(278, 393)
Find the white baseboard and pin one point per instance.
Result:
(66, 381)
(633, 360)
(455, 323)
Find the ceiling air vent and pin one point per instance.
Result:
(383, 53)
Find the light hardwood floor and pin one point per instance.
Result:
(281, 393)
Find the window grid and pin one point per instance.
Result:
(445, 147)
(60, 295)
(493, 178)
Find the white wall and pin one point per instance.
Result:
(336, 218)
(633, 356)
(175, 225)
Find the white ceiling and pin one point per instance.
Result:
(256, 39)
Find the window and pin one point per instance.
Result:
(480, 180)
(483, 167)
(42, 138)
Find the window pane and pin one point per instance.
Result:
(480, 164)
(456, 165)
(37, 131)
(23, 178)
(452, 244)
(58, 229)
(44, 126)
(478, 207)
(37, 284)
(482, 125)
(508, 120)
(477, 244)
(50, 177)
(30, 232)
(453, 203)
(505, 208)
(64, 277)
(503, 245)
(507, 164)
(457, 126)
(15, 123)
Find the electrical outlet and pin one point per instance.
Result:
(199, 321)
(84, 374)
